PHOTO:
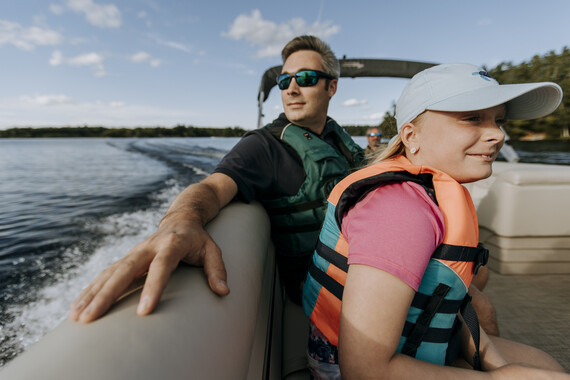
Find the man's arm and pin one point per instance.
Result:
(180, 237)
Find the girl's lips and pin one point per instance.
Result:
(484, 156)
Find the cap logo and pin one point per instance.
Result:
(483, 74)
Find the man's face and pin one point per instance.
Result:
(374, 137)
(306, 106)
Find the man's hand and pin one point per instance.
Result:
(181, 237)
(160, 254)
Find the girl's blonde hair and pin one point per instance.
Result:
(396, 146)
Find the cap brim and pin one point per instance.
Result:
(524, 101)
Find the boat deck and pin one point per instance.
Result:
(535, 310)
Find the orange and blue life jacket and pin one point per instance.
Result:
(432, 325)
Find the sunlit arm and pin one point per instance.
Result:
(375, 305)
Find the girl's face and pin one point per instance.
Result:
(461, 144)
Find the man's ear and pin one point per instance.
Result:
(333, 83)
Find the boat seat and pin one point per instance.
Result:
(524, 219)
(295, 337)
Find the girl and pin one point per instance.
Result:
(399, 245)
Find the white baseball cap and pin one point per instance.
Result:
(460, 87)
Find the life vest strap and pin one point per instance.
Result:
(299, 207)
(326, 281)
(472, 322)
(296, 228)
(418, 333)
(479, 255)
(421, 301)
(332, 256)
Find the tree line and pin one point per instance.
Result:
(551, 67)
(85, 131)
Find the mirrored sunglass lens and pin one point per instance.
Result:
(283, 81)
(306, 78)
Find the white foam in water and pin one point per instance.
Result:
(123, 232)
(196, 169)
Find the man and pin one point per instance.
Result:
(374, 135)
(273, 165)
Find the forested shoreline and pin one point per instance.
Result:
(551, 67)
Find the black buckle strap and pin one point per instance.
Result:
(421, 328)
(482, 258)
(326, 281)
(478, 255)
(300, 228)
(311, 205)
(420, 301)
(472, 322)
(331, 256)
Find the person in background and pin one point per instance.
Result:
(375, 145)
(387, 291)
(274, 165)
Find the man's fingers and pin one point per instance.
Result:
(158, 274)
(216, 270)
(89, 293)
(106, 289)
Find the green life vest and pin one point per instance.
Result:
(296, 220)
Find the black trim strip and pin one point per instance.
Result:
(327, 282)
(311, 205)
(331, 256)
(470, 317)
(419, 333)
(432, 335)
(457, 252)
(421, 301)
(296, 228)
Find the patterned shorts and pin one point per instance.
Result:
(322, 356)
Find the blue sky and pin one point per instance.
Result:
(128, 63)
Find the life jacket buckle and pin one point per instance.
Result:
(482, 258)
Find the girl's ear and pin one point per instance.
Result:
(409, 135)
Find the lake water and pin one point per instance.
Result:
(71, 207)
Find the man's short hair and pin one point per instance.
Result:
(329, 61)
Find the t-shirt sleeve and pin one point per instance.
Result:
(395, 228)
(250, 165)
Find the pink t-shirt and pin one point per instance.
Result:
(395, 228)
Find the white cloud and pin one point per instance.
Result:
(27, 38)
(270, 37)
(100, 15)
(56, 9)
(171, 44)
(143, 56)
(56, 58)
(354, 102)
(92, 60)
(46, 100)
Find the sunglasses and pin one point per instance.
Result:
(375, 134)
(304, 78)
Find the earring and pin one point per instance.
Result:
(413, 151)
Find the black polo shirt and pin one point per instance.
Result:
(265, 168)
